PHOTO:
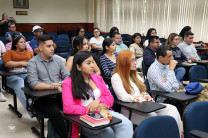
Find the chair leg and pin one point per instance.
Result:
(14, 108)
(41, 132)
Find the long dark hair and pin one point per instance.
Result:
(149, 33)
(107, 42)
(77, 31)
(3, 16)
(185, 29)
(79, 86)
(133, 39)
(77, 42)
(112, 30)
(15, 41)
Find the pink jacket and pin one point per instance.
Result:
(9, 46)
(73, 106)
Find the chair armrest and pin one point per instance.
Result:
(199, 133)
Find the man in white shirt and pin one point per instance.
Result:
(188, 48)
(161, 75)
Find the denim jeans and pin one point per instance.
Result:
(122, 130)
(16, 82)
(179, 72)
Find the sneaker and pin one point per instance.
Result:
(2, 97)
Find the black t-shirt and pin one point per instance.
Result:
(4, 27)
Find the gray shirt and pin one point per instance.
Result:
(188, 50)
(41, 71)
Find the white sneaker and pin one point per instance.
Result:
(2, 97)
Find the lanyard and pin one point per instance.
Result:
(91, 93)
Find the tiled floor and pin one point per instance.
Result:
(13, 127)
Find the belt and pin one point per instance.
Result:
(17, 68)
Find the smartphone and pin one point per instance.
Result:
(96, 116)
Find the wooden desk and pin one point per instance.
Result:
(76, 119)
(143, 107)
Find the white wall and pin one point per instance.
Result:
(51, 11)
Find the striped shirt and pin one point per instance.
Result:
(107, 66)
(154, 75)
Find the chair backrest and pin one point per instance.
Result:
(157, 126)
(195, 118)
(197, 72)
(144, 69)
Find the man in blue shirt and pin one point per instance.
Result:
(38, 31)
(119, 45)
(12, 29)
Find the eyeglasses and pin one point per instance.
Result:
(156, 42)
(81, 31)
(96, 31)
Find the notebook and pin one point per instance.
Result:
(93, 122)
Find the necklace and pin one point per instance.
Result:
(20, 51)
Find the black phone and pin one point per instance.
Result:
(96, 116)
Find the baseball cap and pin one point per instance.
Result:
(36, 28)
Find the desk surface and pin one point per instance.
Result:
(76, 119)
(186, 65)
(5, 73)
(199, 133)
(202, 80)
(201, 61)
(144, 107)
(180, 96)
(40, 93)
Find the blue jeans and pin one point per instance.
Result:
(16, 82)
(179, 72)
(122, 130)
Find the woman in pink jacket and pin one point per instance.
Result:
(85, 92)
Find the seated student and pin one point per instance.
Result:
(97, 41)
(2, 51)
(86, 92)
(80, 43)
(129, 87)
(38, 31)
(43, 73)
(188, 48)
(119, 45)
(138, 48)
(14, 35)
(81, 32)
(172, 41)
(113, 30)
(161, 75)
(12, 29)
(150, 32)
(15, 60)
(108, 57)
(149, 52)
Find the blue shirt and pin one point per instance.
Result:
(107, 66)
(121, 47)
(34, 43)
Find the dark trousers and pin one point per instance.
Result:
(52, 107)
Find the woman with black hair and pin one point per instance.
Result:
(15, 60)
(185, 29)
(80, 43)
(113, 30)
(137, 48)
(108, 57)
(85, 92)
(150, 32)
